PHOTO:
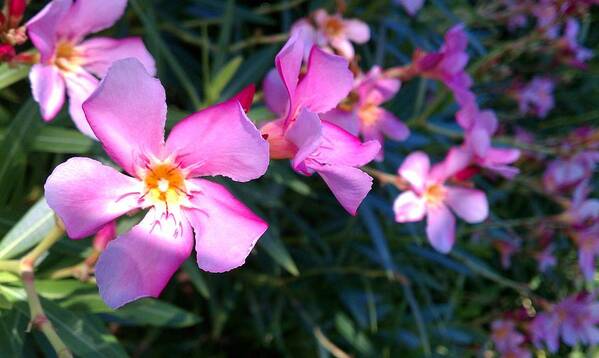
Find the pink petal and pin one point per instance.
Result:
(226, 230)
(343, 47)
(412, 6)
(306, 133)
(469, 204)
(479, 140)
(357, 31)
(220, 140)
(415, 169)
(42, 28)
(328, 80)
(289, 62)
(457, 159)
(87, 195)
(245, 97)
(80, 86)
(89, 16)
(47, 87)
(341, 147)
(349, 185)
(347, 120)
(393, 127)
(141, 262)
(100, 52)
(409, 207)
(127, 113)
(275, 93)
(440, 228)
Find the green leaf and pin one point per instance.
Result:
(56, 289)
(82, 334)
(13, 325)
(22, 128)
(61, 140)
(276, 249)
(151, 312)
(30, 230)
(197, 278)
(10, 74)
(222, 78)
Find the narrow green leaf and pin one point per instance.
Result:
(81, 334)
(30, 230)
(151, 312)
(61, 140)
(276, 249)
(222, 78)
(196, 277)
(10, 74)
(12, 333)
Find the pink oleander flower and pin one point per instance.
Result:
(333, 32)
(68, 62)
(367, 116)
(411, 6)
(574, 53)
(545, 258)
(536, 97)
(315, 146)
(127, 113)
(429, 196)
(448, 65)
(567, 173)
(507, 339)
(574, 319)
(479, 127)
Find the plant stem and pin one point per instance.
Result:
(10, 265)
(39, 319)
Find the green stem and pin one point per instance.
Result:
(10, 265)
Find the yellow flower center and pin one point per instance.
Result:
(435, 194)
(369, 114)
(165, 184)
(67, 56)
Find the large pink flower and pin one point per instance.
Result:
(68, 62)
(315, 146)
(429, 196)
(367, 116)
(127, 113)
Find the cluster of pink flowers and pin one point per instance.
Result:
(508, 341)
(11, 33)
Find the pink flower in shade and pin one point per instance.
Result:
(127, 114)
(411, 6)
(507, 339)
(574, 319)
(545, 258)
(68, 62)
(479, 127)
(315, 146)
(536, 97)
(507, 248)
(567, 173)
(429, 196)
(448, 65)
(574, 53)
(334, 32)
(583, 218)
(367, 116)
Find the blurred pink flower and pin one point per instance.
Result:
(127, 114)
(479, 127)
(315, 146)
(333, 32)
(507, 339)
(429, 196)
(67, 62)
(545, 258)
(507, 248)
(411, 6)
(448, 65)
(574, 53)
(567, 173)
(574, 319)
(536, 97)
(367, 116)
